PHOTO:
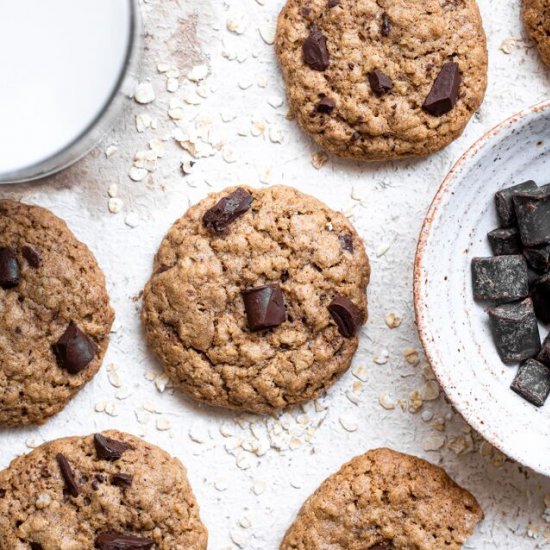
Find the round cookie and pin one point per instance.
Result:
(382, 79)
(257, 299)
(55, 316)
(385, 500)
(108, 491)
(536, 16)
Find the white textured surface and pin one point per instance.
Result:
(387, 202)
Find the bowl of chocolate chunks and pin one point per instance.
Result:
(482, 287)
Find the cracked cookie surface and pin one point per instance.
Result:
(408, 41)
(385, 500)
(144, 493)
(58, 281)
(536, 16)
(194, 312)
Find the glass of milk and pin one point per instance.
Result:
(65, 67)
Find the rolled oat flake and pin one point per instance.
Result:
(66, 66)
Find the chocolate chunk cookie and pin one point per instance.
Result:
(383, 79)
(75, 494)
(55, 316)
(536, 16)
(385, 500)
(257, 299)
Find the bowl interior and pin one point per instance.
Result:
(454, 328)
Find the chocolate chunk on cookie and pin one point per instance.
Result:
(243, 320)
(385, 500)
(55, 319)
(52, 499)
(405, 76)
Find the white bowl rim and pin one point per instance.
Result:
(465, 409)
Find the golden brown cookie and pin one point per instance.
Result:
(536, 16)
(382, 79)
(107, 491)
(257, 298)
(385, 500)
(55, 316)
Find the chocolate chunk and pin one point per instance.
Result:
(386, 25)
(538, 258)
(68, 475)
(265, 307)
(532, 382)
(444, 93)
(346, 242)
(382, 546)
(540, 294)
(122, 480)
(346, 315)
(315, 50)
(32, 256)
(74, 350)
(227, 210)
(2, 492)
(325, 106)
(380, 83)
(505, 205)
(333, 3)
(9, 268)
(306, 12)
(36, 546)
(515, 331)
(109, 449)
(544, 355)
(116, 541)
(505, 242)
(501, 278)
(533, 215)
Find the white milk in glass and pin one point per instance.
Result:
(61, 61)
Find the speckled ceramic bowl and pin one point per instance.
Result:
(453, 328)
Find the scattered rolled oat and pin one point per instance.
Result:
(319, 159)
(392, 321)
(385, 402)
(163, 424)
(434, 442)
(349, 423)
(411, 356)
(144, 93)
(430, 391)
(115, 205)
(137, 174)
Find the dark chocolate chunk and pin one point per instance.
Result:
(346, 315)
(109, 449)
(36, 546)
(533, 215)
(32, 256)
(544, 355)
(538, 258)
(333, 3)
(532, 382)
(444, 93)
(505, 242)
(515, 331)
(540, 294)
(2, 492)
(346, 242)
(306, 12)
(227, 210)
(9, 268)
(382, 546)
(74, 351)
(500, 278)
(117, 541)
(325, 106)
(68, 475)
(386, 25)
(380, 83)
(265, 307)
(122, 480)
(315, 50)
(505, 205)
